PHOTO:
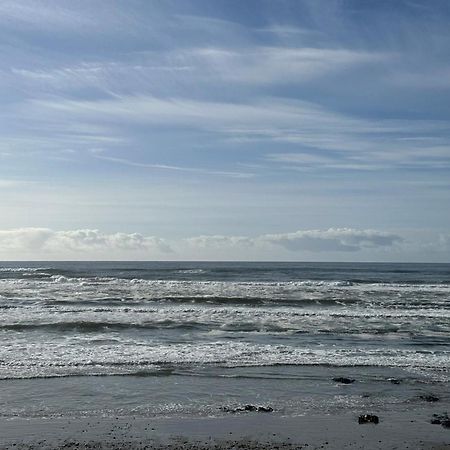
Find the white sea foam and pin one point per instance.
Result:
(23, 269)
(191, 271)
(89, 288)
(57, 358)
(60, 324)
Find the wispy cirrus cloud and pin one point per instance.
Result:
(210, 66)
(105, 77)
(391, 154)
(64, 16)
(435, 78)
(348, 142)
(44, 14)
(11, 184)
(269, 118)
(99, 154)
(266, 65)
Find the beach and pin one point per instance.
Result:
(224, 355)
(249, 432)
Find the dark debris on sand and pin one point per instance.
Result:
(429, 398)
(343, 380)
(368, 418)
(176, 445)
(441, 419)
(247, 408)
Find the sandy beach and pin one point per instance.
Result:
(250, 431)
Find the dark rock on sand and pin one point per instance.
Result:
(265, 409)
(247, 408)
(368, 418)
(441, 419)
(429, 398)
(343, 380)
(250, 408)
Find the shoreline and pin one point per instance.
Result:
(249, 431)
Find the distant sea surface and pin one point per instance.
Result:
(175, 339)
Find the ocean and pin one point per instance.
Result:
(175, 339)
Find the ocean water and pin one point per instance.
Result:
(176, 339)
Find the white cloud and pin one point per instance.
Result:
(333, 244)
(333, 240)
(107, 77)
(283, 29)
(24, 239)
(42, 14)
(444, 242)
(80, 240)
(423, 78)
(44, 243)
(354, 143)
(265, 65)
(270, 119)
(7, 184)
(99, 154)
(211, 66)
(306, 161)
(218, 241)
(67, 17)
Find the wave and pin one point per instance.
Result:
(373, 304)
(44, 279)
(341, 328)
(191, 271)
(432, 373)
(84, 280)
(94, 326)
(53, 356)
(23, 269)
(215, 291)
(205, 299)
(157, 372)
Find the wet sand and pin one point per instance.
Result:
(249, 431)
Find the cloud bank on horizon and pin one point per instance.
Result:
(47, 244)
(221, 127)
(44, 243)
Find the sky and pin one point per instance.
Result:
(308, 130)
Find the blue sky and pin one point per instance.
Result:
(291, 130)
